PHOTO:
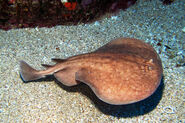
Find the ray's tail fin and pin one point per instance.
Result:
(28, 73)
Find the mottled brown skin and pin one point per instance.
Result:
(124, 71)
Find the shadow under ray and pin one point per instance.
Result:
(119, 111)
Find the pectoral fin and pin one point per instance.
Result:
(82, 75)
(66, 76)
(98, 83)
(90, 78)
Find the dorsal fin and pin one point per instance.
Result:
(58, 60)
(47, 66)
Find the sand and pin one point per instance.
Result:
(49, 101)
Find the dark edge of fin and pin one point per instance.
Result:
(58, 60)
(47, 66)
(28, 73)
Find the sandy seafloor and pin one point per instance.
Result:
(48, 101)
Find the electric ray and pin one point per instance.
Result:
(124, 71)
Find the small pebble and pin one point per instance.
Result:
(183, 29)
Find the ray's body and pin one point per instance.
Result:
(124, 71)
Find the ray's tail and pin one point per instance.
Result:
(28, 73)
